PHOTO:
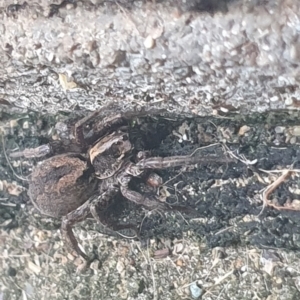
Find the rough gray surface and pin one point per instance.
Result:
(241, 56)
(253, 257)
(200, 58)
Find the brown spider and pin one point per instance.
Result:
(77, 184)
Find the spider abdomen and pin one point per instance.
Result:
(61, 184)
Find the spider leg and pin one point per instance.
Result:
(149, 203)
(102, 219)
(98, 207)
(145, 162)
(111, 114)
(124, 178)
(76, 216)
(40, 151)
(152, 179)
(78, 130)
(174, 161)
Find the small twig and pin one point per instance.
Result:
(155, 210)
(222, 290)
(218, 281)
(8, 162)
(172, 178)
(152, 275)
(8, 204)
(279, 171)
(141, 252)
(241, 158)
(126, 236)
(146, 215)
(47, 261)
(151, 268)
(13, 255)
(286, 173)
(272, 187)
(173, 264)
(223, 230)
(204, 147)
(185, 220)
(176, 191)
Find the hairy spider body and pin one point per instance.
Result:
(107, 154)
(59, 184)
(74, 186)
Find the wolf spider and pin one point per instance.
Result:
(83, 176)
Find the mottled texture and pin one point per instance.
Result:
(206, 59)
(35, 264)
(60, 184)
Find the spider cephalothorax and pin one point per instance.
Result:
(107, 155)
(75, 185)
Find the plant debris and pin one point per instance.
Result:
(229, 249)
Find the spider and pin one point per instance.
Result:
(83, 177)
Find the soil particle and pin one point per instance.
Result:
(230, 247)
